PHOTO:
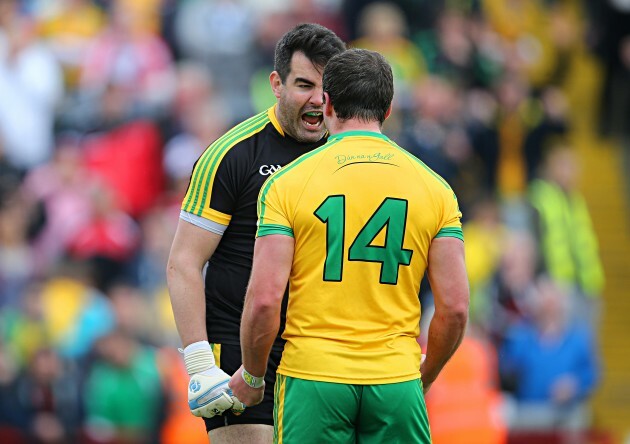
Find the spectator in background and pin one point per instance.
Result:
(508, 130)
(23, 328)
(420, 14)
(31, 87)
(17, 260)
(68, 27)
(383, 28)
(179, 425)
(220, 34)
(461, 49)
(75, 313)
(610, 38)
(10, 175)
(13, 420)
(436, 107)
(49, 394)
(61, 187)
(135, 316)
(512, 125)
(563, 227)
(130, 55)
(123, 393)
(548, 117)
(507, 292)
(435, 133)
(485, 236)
(551, 361)
(199, 118)
(108, 240)
(526, 39)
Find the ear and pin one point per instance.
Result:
(328, 108)
(276, 83)
(389, 111)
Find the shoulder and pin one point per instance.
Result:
(296, 168)
(235, 143)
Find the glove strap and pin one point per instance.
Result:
(251, 380)
(198, 357)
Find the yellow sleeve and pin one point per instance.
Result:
(272, 212)
(451, 217)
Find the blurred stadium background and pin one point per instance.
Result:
(106, 104)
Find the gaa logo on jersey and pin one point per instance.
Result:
(266, 170)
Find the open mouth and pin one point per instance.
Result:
(313, 119)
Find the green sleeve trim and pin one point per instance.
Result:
(266, 230)
(451, 232)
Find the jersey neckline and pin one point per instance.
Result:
(359, 133)
(271, 113)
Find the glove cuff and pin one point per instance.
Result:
(198, 357)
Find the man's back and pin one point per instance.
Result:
(363, 213)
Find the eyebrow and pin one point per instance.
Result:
(303, 80)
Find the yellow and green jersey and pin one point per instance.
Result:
(363, 213)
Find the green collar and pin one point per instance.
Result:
(358, 133)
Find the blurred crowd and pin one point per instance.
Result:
(106, 104)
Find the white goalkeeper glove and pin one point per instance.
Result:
(208, 390)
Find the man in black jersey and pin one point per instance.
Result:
(217, 226)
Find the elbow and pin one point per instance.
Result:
(460, 311)
(266, 303)
(172, 270)
(455, 311)
(460, 315)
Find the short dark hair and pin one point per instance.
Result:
(317, 42)
(360, 85)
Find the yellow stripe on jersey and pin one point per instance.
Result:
(278, 408)
(363, 213)
(205, 169)
(216, 351)
(216, 216)
(195, 187)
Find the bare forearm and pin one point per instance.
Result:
(186, 288)
(191, 249)
(273, 256)
(259, 328)
(446, 332)
(449, 282)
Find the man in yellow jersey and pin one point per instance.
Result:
(352, 226)
(217, 227)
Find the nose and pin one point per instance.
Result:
(317, 98)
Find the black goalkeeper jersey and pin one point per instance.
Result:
(223, 189)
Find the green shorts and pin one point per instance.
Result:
(324, 412)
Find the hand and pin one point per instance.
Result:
(243, 392)
(564, 389)
(209, 393)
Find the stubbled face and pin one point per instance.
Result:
(300, 100)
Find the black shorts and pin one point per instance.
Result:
(229, 360)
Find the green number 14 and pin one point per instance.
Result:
(391, 215)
